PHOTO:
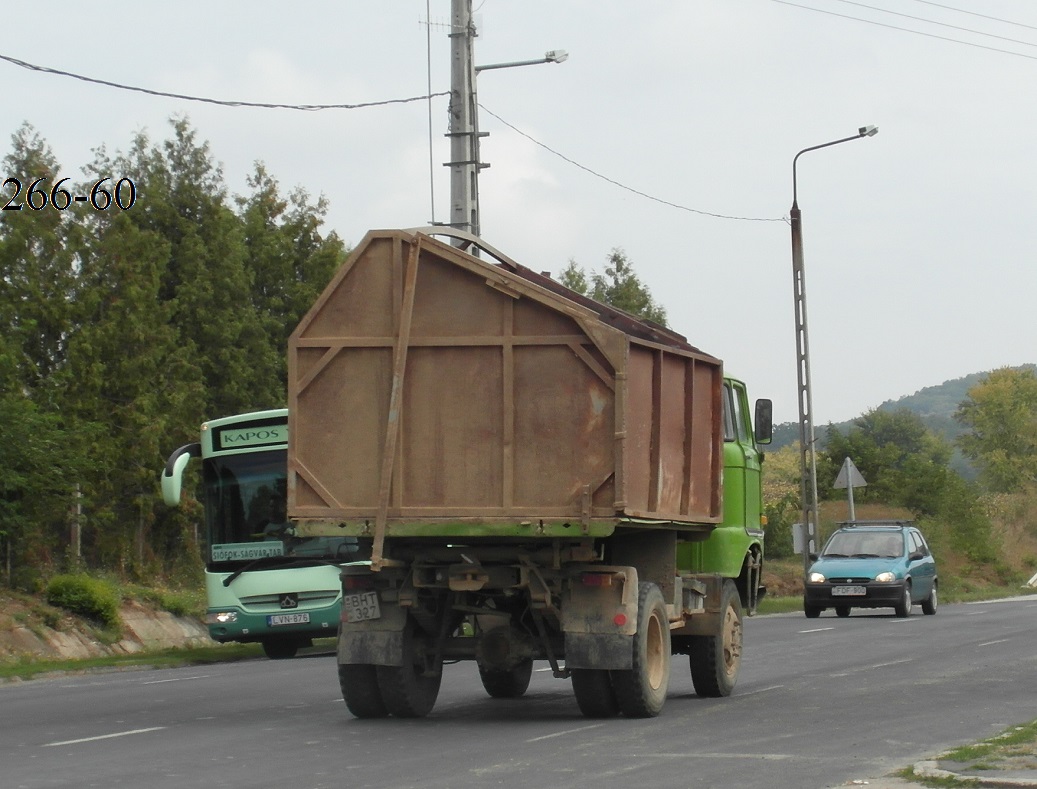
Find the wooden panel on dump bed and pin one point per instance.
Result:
(429, 386)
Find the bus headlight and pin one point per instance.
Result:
(221, 617)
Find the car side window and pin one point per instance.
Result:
(918, 544)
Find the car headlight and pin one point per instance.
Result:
(886, 577)
(815, 578)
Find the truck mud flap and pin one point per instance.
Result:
(612, 651)
(376, 642)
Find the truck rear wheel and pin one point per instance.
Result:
(594, 694)
(715, 660)
(410, 690)
(641, 690)
(507, 683)
(359, 683)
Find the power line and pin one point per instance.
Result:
(624, 186)
(314, 107)
(939, 24)
(974, 13)
(220, 102)
(907, 30)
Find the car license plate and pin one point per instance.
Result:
(848, 591)
(287, 619)
(360, 606)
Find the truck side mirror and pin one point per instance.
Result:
(764, 421)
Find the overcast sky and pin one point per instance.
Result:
(919, 242)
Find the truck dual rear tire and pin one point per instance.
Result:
(641, 690)
(410, 690)
(359, 684)
(594, 694)
(715, 660)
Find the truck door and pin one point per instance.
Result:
(741, 460)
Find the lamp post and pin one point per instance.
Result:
(807, 449)
(464, 131)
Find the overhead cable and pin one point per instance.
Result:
(624, 186)
(220, 102)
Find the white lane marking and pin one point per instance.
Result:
(176, 679)
(870, 668)
(817, 630)
(568, 731)
(990, 643)
(103, 737)
(742, 695)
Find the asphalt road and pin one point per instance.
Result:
(819, 703)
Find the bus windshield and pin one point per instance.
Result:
(245, 520)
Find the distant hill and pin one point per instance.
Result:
(934, 404)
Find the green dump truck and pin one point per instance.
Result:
(536, 476)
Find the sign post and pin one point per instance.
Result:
(849, 477)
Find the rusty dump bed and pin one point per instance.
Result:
(432, 393)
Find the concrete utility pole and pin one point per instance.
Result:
(464, 131)
(464, 121)
(807, 448)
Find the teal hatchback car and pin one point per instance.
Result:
(872, 564)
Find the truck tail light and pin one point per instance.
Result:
(352, 583)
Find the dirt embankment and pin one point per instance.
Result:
(30, 631)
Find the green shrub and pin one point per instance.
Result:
(85, 596)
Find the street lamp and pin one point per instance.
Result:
(553, 56)
(464, 131)
(807, 450)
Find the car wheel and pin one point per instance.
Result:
(812, 611)
(903, 608)
(929, 604)
(842, 610)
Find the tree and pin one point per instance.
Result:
(290, 262)
(902, 460)
(781, 499)
(37, 265)
(619, 287)
(1000, 414)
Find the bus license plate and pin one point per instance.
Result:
(848, 591)
(287, 619)
(360, 606)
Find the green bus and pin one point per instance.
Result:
(263, 583)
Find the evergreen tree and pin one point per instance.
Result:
(618, 287)
(37, 264)
(288, 260)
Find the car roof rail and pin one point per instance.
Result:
(895, 523)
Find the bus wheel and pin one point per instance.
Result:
(359, 683)
(641, 690)
(715, 659)
(594, 694)
(410, 690)
(280, 649)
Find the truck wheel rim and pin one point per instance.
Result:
(656, 660)
(732, 641)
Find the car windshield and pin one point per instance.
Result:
(865, 544)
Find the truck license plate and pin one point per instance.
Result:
(287, 619)
(848, 591)
(360, 606)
